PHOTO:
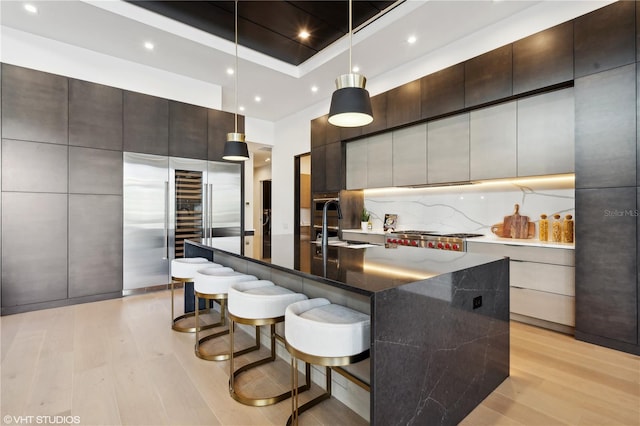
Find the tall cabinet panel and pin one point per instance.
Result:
(95, 115)
(34, 105)
(34, 227)
(379, 161)
(94, 171)
(95, 244)
(493, 142)
(145, 124)
(34, 166)
(448, 149)
(606, 264)
(356, 164)
(605, 153)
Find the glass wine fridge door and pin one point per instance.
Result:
(188, 185)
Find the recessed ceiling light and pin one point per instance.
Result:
(230, 71)
(241, 108)
(148, 45)
(356, 69)
(304, 34)
(267, 160)
(257, 98)
(314, 89)
(30, 8)
(412, 39)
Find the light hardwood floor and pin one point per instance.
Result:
(118, 362)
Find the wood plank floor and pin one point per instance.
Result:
(118, 362)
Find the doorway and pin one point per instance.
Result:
(266, 219)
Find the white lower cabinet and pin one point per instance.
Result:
(542, 281)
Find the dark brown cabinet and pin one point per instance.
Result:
(318, 131)
(606, 264)
(34, 105)
(543, 59)
(605, 146)
(95, 115)
(605, 39)
(219, 124)
(379, 109)
(488, 77)
(187, 131)
(442, 92)
(326, 168)
(145, 124)
(405, 104)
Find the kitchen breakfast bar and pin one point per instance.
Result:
(439, 320)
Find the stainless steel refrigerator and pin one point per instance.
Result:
(168, 200)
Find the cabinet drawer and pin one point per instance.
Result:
(557, 256)
(546, 306)
(557, 279)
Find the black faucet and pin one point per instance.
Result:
(325, 236)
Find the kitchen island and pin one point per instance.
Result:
(439, 320)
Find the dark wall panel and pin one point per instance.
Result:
(94, 171)
(442, 92)
(34, 105)
(606, 263)
(606, 129)
(489, 77)
(187, 131)
(406, 103)
(605, 38)
(145, 124)
(95, 115)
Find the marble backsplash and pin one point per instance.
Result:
(470, 208)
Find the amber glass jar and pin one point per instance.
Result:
(567, 229)
(543, 228)
(556, 229)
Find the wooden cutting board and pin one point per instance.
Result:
(515, 226)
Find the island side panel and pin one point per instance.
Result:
(434, 356)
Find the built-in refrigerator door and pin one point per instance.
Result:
(224, 205)
(146, 220)
(188, 189)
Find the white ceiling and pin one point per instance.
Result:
(119, 29)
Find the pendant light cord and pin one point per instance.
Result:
(236, 73)
(350, 36)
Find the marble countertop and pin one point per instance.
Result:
(367, 269)
(531, 242)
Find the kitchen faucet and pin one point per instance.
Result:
(325, 236)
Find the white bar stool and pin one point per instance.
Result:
(321, 333)
(213, 284)
(182, 271)
(259, 303)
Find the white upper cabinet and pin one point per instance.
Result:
(493, 152)
(546, 126)
(410, 155)
(448, 149)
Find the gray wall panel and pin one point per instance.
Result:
(95, 244)
(34, 241)
(95, 171)
(34, 105)
(34, 166)
(146, 124)
(95, 115)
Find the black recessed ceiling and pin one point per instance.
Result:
(272, 27)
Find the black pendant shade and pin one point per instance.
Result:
(235, 149)
(350, 107)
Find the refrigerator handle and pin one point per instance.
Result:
(166, 220)
(205, 197)
(210, 210)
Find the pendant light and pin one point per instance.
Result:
(350, 103)
(235, 148)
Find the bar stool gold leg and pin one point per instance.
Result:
(175, 320)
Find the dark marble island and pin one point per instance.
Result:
(439, 320)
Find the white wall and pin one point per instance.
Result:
(39, 53)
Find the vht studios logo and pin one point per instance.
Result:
(41, 420)
(621, 213)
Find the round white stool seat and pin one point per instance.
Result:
(260, 299)
(184, 268)
(218, 280)
(320, 328)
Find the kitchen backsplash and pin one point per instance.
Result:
(470, 208)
